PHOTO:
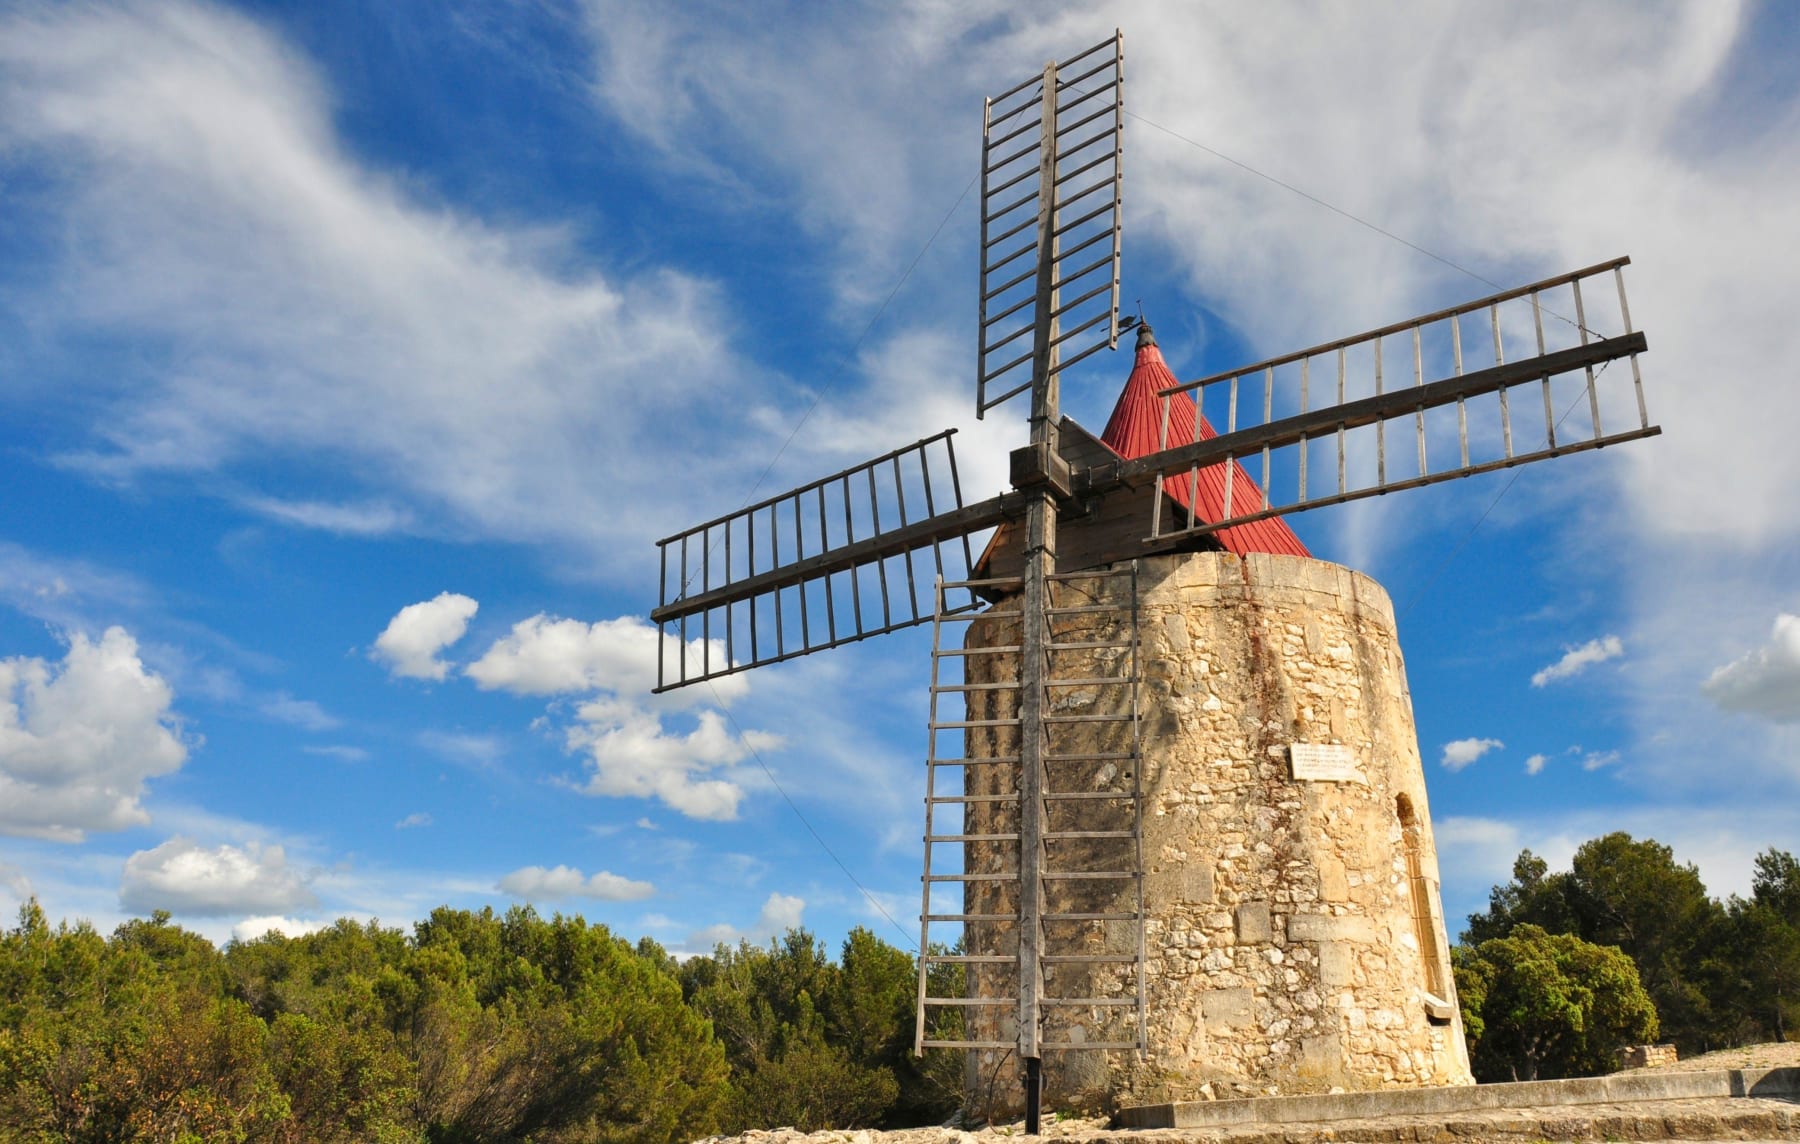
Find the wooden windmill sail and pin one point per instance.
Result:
(889, 543)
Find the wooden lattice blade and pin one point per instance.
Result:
(1383, 407)
(1051, 203)
(1485, 416)
(838, 560)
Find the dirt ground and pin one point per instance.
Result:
(1740, 1118)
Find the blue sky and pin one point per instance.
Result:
(352, 357)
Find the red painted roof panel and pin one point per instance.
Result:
(1135, 429)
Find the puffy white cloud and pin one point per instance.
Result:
(79, 739)
(252, 928)
(779, 914)
(544, 655)
(184, 877)
(1598, 760)
(620, 730)
(412, 639)
(1459, 753)
(630, 754)
(1765, 681)
(536, 882)
(1535, 764)
(1576, 660)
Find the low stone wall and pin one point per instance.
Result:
(1647, 1056)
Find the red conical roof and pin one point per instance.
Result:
(1135, 430)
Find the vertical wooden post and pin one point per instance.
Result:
(1040, 563)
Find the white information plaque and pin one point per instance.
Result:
(1324, 762)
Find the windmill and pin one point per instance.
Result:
(888, 544)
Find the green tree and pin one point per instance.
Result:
(789, 1067)
(1633, 895)
(1546, 1005)
(1534, 897)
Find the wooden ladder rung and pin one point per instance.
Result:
(1115, 1002)
(970, 1001)
(971, 959)
(1088, 917)
(974, 917)
(1049, 834)
(1088, 875)
(1013, 837)
(1013, 877)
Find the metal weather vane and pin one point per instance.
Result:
(887, 544)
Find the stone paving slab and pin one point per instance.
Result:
(1704, 1119)
(1625, 1087)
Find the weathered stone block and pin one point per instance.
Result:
(1334, 881)
(1321, 1056)
(1227, 1008)
(1334, 965)
(1176, 626)
(1253, 924)
(1324, 927)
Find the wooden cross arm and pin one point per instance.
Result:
(944, 526)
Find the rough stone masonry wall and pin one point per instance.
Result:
(1296, 941)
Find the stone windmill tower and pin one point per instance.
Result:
(1268, 829)
(1175, 814)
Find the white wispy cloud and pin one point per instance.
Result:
(1764, 681)
(410, 643)
(536, 882)
(461, 369)
(1578, 659)
(184, 877)
(465, 747)
(417, 818)
(79, 739)
(1459, 753)
(303, 713)
(340, 752)
(1535, 764)
(372, 519)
